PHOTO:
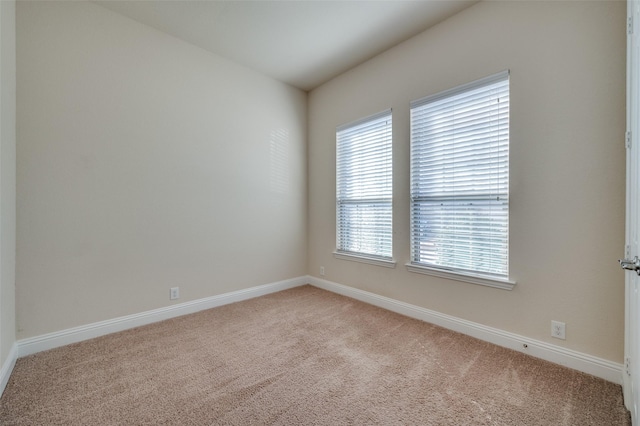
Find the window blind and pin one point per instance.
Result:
(364, 187)
(460, 178)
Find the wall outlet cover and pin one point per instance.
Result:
(558, 330)
(174, 293)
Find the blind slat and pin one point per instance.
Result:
(460, 178)
(364, 186)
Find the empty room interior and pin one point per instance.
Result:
(195, 172)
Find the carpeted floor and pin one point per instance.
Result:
(300, 357)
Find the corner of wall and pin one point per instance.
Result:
(7, 184)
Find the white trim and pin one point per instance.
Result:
(364, 259)
(589, 364)
(7, 367)
(631, 381)
(77, 334)
(598, 367)
(502, 75)
(467, 278)
(372, 117)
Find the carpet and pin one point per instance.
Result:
(303, 356)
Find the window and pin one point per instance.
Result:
(460, 180)
(364, 190)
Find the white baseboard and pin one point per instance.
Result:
(77, 334)
(595, 366)
(7, 367)
(598, 367)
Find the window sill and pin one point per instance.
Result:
(468, 278)
(364, 259)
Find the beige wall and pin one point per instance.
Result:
(145, 163)
(7, 177)
(137, 171)
(567, 62)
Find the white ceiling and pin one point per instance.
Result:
(304, 43)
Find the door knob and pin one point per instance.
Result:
(631, 265)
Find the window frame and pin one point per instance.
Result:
(451, 271)
(384, 159)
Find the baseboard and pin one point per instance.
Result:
(598, 367)
(7, 367)
(77, 334)
(595, 366)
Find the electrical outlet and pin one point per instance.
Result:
(558, 330)
(322, 271)
(174, 293)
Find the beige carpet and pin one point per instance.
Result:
(299, 357)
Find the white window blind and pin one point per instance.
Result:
(460, 179)
(364, 190)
